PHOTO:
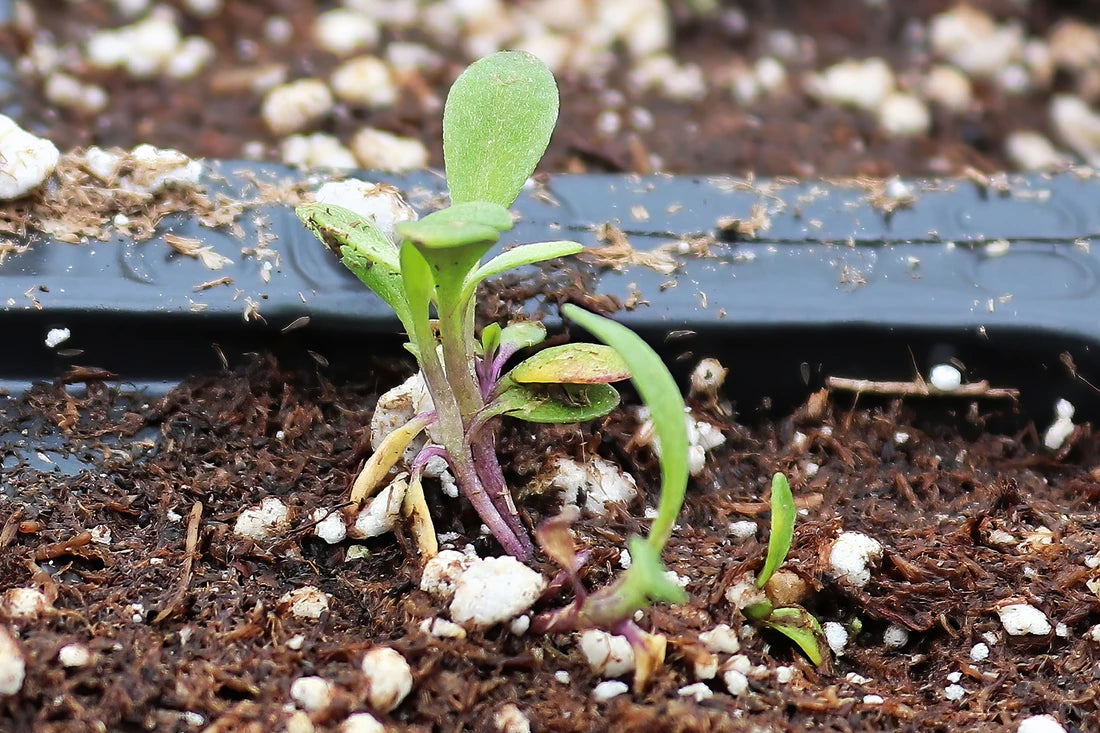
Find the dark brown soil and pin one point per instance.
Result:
(208, 649)
(220, 649)
(788, 134)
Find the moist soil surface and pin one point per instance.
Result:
(120, 507)
(101, 489)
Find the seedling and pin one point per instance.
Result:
(497, 123)
(794, 622)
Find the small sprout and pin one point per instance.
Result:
(783, 616)
(497, 123)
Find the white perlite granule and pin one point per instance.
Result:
(1023, 618)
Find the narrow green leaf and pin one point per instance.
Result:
(576, 363)
(805, 639)
(526, 254)
(783, 515)
(660, 393)
(758, 611)
(416, 276)
(648, 574)
(566, 403)
(497, 123)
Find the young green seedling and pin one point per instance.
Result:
(496, 125)
(794, 622)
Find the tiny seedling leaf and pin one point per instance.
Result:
(660, 393)
(576, 363)
(525, 254)
(490, 339)
(783, 514)
(474, 224)
(566, 403)
(520, 335)
(497, 123)
(801, 627)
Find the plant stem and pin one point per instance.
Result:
(466, 476)
(492, 478)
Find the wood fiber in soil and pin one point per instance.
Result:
(223, 649)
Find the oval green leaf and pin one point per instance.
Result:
(558, 404)
(572, 364)
(497, 123)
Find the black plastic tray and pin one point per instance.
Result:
(1002, 279)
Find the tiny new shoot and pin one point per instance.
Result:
(497, 123)
(794, 622)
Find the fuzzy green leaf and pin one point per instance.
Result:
(363, 249)
(566, 403)
(783, 515)
(660, 393)
(576, 363)
(497, 123)
(453, 241)
(336, 227)
(458, 226)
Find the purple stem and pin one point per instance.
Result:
(488, 469)
(429, 452)
(513, 539)
(467, 478)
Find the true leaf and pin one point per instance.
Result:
(490, 339)
(497, 123)
(453, 241)
(576, 363)
(666, 408)
(520, 335)
(783, 515)
(363, 249)
(560, 404)
(526, 254)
